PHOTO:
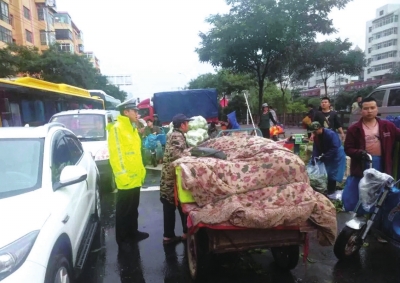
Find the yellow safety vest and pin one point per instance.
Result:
(124, 145)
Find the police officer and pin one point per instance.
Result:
(124, 146)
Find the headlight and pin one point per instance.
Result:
(14, 255)
(102, 154)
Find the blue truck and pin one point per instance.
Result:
(191, 102)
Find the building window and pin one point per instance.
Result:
(370, 29)
(29, 36)
(66, 47)
(27, 13)
(40, 11)
(381, 13)
(62, 18)
(4, 15)
(5, 35)
(63, 34)
(81, 48)
(43, 37)
(370, 39)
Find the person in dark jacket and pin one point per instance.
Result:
(328, 118)
(265, 121)
(372, 136)
(156, 121)
(329, 150)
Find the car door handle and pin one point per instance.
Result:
(65, 220)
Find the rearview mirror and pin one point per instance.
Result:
(70, 175)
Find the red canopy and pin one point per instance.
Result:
(223, 102)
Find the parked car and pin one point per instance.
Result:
(387, 99)
(49, 204)
(90, 128)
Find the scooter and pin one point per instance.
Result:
(153, 143)
(383, 222)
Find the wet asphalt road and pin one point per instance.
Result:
(149, 261)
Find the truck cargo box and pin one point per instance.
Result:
(192, 102)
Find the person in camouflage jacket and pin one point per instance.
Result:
(175, 148)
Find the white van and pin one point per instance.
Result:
(90, 127)
(388, 100)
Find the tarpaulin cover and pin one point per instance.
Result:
(192, 102)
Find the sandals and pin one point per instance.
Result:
(173, 240)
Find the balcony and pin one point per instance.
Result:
(48, 3)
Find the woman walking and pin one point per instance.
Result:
(265, 121)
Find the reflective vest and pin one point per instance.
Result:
(124, 146)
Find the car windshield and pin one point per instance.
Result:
(87, 127)
(21, 163)
(144, 112)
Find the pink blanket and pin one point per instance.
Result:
(260, 185)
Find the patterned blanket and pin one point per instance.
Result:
(260, 185)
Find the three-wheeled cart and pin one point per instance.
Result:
(203, 240)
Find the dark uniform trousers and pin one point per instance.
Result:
(127, 214)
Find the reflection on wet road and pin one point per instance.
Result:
(149, 261)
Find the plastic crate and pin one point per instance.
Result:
(184, 196)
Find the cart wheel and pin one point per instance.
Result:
(286, 257)
(197, 253)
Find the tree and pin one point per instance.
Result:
(332, 57)
(254, 34)
(7, 64)
(224, 81)
(394, 74)
(293, 66)
(345, 99)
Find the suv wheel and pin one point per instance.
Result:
(59, 270)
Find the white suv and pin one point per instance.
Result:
(49, 204)
(90, 126)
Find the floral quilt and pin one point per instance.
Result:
(260, 185)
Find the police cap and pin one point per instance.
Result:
(129, 104)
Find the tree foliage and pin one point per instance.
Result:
(255, 34)
(332, 57)
(54, 66)
(345, 99)
(224, 81)
(394, 74)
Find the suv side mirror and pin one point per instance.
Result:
(70, 175)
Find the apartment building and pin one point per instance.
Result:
(93, 59)
(314, 86)
(382, 42)
(68, 35)
(27, 22)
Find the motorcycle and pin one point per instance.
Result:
(379, 195)
(154, 144)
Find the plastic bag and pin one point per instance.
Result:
(150, 142)
(371, 186)
(318, 176)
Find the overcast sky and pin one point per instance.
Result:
(154, 40)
